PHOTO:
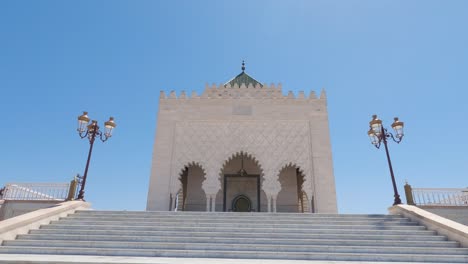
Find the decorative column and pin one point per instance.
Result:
(269, 203)
(172, 199)
(309, 204)
(208, 197)
(211, 186)
(308, 189)
(213, 202)
(174, 189)
(271, 186)
(274, 203)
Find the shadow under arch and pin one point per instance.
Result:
(292, 197)
(241, 175)
(191, 196)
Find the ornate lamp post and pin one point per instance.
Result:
(91, 130)
(379, 134)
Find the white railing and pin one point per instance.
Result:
(440, 196)
(36, 191)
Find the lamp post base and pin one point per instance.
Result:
(397, 199)
(81, 196)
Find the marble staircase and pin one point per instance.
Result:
(327, 237)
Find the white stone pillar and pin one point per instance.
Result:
(310, 195)
(211, 185)
(172, 202)
(208, 202)
(271, 186)
(269, 204)
(274, 204)
(213, 203)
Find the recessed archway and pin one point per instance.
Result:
(292, 197)
(191, 196)
(241, 176)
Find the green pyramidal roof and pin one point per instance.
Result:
(243, 78)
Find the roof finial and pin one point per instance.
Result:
(243, 66)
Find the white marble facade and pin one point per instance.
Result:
(283, 139)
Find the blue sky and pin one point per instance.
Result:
(391, 58)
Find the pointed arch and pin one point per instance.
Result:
(238, 154)
(240, 173)
(190, 194)
(293, 196)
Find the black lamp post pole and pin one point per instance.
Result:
(395, 190)
(91, 144)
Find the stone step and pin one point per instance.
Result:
(117, 245)
(327, 255)
(228, 214)
(226, 227)
(355, 234)
(350, 241)
(86, 259)
(324, 237)
(220, 220)
(199, 223)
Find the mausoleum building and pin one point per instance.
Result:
(242, 146)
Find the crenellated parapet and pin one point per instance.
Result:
(226, 91)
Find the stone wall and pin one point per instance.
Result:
(12, 208)
(455, 213)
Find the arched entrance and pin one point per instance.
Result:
(241, 185)
(292, 197)
(191, 197)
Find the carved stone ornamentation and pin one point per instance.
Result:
(274, 145)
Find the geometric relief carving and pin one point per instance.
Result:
(274, 144)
